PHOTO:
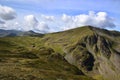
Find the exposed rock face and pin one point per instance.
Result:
(95, 55)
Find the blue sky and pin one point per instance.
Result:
(39, 10)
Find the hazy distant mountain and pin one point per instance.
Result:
(85, 53)
(12, 33)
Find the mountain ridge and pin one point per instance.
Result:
(13, 33)
(93, 41)
(95, 52)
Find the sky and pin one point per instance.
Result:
(57, 15)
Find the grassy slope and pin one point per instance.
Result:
(66, 38)
(27, 58)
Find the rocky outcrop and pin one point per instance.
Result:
(95, 55)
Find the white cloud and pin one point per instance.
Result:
(47, 23)
(100, 19)
(66, 18)
(2, 22)
(48, 18)
(7, 13)
(42, 27)
(31, 23)
(10, 25)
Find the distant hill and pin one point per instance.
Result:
(13, 33)
(84, 53)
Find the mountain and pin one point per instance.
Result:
(84, 53)
(13, 33)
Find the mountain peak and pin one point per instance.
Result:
(93, 51)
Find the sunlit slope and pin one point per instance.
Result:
(26, 58)
(75, 54)
(96, 52)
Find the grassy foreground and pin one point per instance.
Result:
(26, 58)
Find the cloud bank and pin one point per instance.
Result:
(42, 27)
(45, 23)
(100, 19)
(31, 23)
(48, 18)
(2, 22)
(7, 13)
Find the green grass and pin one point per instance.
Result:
(42, 58)
(22, 57)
